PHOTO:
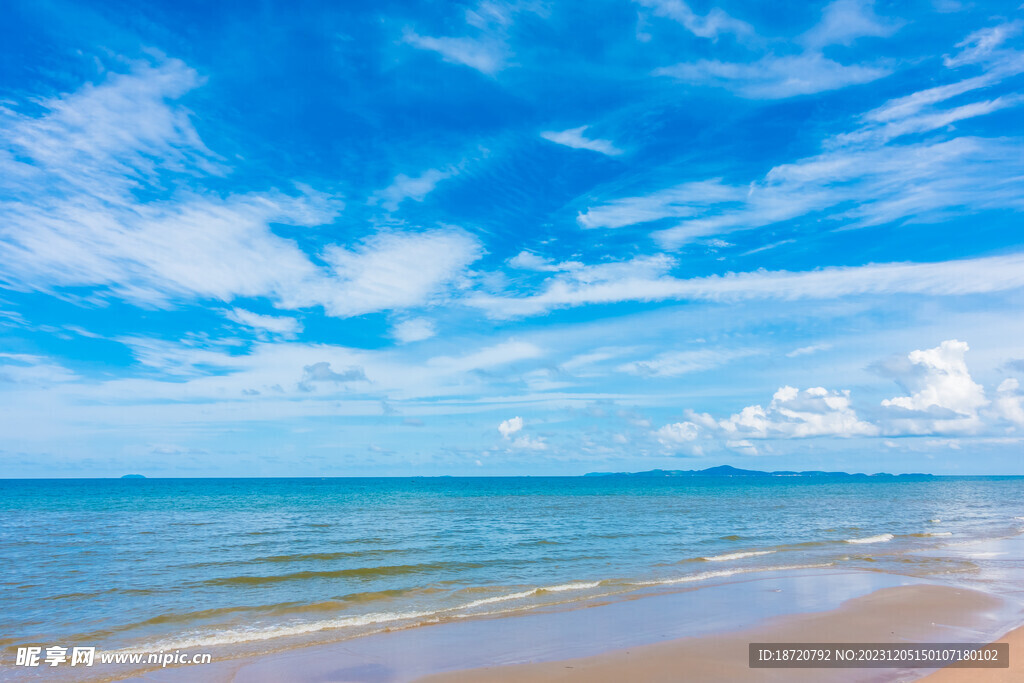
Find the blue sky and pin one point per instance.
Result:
(510, 238)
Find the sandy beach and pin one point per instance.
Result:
(639, 640)
(906, 614)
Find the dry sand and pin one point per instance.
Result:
(1015, 674)
(901, 615)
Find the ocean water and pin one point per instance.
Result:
(245, 566)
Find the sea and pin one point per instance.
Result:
(240, 567)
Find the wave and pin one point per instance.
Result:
(703, 576)
(737, 556)
(365, 572)
(236, 636)
(533, 591)
(880, 538)
(578, 586)
(935, 521)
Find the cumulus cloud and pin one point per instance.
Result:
(677, 432)
(944, 397)
(509, 427)
(793, 413)
(574, 138)
(1009, 403)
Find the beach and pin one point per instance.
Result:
(394, 581)
(534, 648)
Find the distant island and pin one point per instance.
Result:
(729, 471)
(134, 476)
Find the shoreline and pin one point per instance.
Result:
(902, 614)
(707, 628)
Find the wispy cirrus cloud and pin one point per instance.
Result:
(404, 187)
(72, 216)
(574, 138)
(715, 23)
(807, 71)
(899, 162)
(486, 47)
(637, 281)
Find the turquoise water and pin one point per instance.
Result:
(233, 566)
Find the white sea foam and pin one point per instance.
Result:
(498, 598)
(935, 521)
(880, 538)
(1019, 519)
(703, 576)
(235, 636)
(579, 586)
(737, 556)
(533, 591)
(941, 533)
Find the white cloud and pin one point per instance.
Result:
(676, 363)
(985, 46)
(277, 325)
(395, 270)
(807, 350)
(944, 398)
(641, 282)
(487, 49)
(491, 356)
(73, 218)
(675, 202)
(527, 260)
(28, 369)
(574, 138)
(774, 77)
(677, 432)
(711, 25)
(404, 187)
(486, 55)
(530, 443)
(509, 427)
(844, 21)
(798, 414)
(1009, 404)
(414, 330)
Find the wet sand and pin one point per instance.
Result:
(686, 635)
(903, 615)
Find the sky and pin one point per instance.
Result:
(510, 238)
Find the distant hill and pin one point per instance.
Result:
(729, 471)
(133, 476)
